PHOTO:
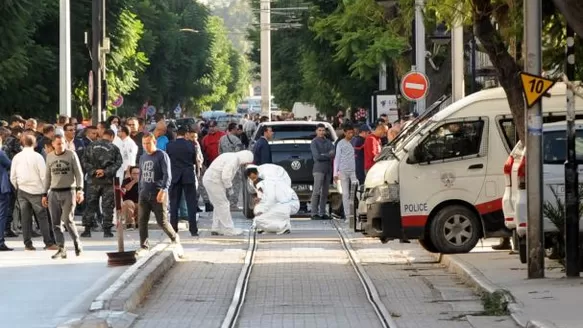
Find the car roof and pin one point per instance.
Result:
(295, 123)
(561, 125)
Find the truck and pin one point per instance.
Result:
(290, 148)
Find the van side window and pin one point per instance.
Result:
(509, 132)
(453, 140)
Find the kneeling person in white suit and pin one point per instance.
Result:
(218, 180)
(276, 205)
(270, 172)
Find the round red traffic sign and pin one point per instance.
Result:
(414, 86)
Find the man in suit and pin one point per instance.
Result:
(182, 155)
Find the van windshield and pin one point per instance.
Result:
(555, 147)
(415, 126)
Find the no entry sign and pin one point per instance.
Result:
(414, 86)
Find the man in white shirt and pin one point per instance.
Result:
(28, 177)
(69, 139)
(128, 149)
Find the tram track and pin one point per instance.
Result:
(231, 319)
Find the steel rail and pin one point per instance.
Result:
(230, 320)
(371, 292)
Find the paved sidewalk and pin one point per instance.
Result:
(551, 302)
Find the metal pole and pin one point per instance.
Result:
(96, 56)
(65, 58)
(383, 76)
(571, 174)
(265, 24)
(420, 46)
(104, 93)
(412, 104)
(532, 32)
(473, 62)
(457, 60)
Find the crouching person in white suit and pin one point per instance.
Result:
(269, 172)
(218, 181)
(277, 202)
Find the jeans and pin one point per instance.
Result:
(346, 179)
(320, 193)
(31, 204)
(146, 205)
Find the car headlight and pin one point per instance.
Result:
(383, 194)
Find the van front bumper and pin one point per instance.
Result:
(383, 220)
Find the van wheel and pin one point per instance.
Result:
(455, 229)
(428, 245)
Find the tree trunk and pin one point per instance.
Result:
(507, 69)
(573, 11)
(440, 80)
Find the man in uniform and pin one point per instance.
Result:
(101, 161)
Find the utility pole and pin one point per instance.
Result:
(420, 46)
(104, 50)
(96, 27)
(265, 28)
(65, 58)
(571, 174)
(457, 60)
(532, 65)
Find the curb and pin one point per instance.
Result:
(113, 308)
(472, 277)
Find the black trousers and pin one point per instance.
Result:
(191, 204)
(146, 205)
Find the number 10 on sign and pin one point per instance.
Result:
(534, 87)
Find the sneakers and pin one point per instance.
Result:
(60, 254)
(52, 247)
(29, 248)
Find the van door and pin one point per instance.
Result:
(450, 163)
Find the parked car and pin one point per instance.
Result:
(515, 195)
(290, 148)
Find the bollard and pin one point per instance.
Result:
(121, 257)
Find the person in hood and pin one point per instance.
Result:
(218, 182)
(277, 202)
(267, 172)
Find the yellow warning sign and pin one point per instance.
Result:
(534, 87)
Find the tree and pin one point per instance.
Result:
(573, 11)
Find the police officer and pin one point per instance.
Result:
(101, 161)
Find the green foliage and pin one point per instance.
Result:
(362, 36)
(150, 58)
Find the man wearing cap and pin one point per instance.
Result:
(182, 155)
(358, 144)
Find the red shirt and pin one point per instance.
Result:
(372, 147)
(210, 145)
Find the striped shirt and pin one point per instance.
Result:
(344, 160)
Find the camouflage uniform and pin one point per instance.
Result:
(101, 154)
(230, 143)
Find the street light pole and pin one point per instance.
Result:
(532, 65)
(65, 58)
(96, 60)
(571, 174)
(265, 27)
(457, 59)
(420, 46)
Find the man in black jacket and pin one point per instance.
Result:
(182, 155)
(262, 150)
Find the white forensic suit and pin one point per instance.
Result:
(278, 202)
(217, 180)
(272, 172)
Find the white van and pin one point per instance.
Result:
(443, 184)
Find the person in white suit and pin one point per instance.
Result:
(218, 182)
(267, 171)
(277, 203)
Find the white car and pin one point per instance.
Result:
(554, 156)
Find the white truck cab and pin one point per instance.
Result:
(443, 184)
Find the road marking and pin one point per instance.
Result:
(414, 86)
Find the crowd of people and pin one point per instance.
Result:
(50, 172)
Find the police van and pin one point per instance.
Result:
(443, 183)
